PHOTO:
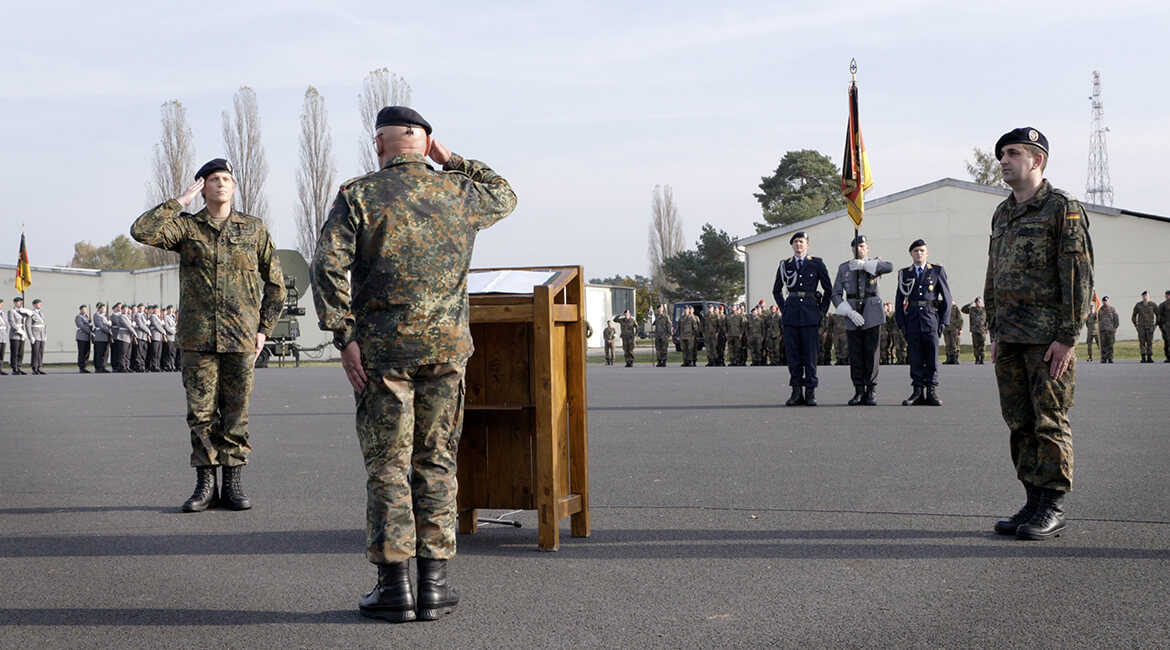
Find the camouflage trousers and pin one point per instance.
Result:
(1035, 407)
(1107, 339)
(977, 342)
(628, 349)
(661, 346)
(1090, 338)
(409, 421)
(688, 350)
(951, 340)
(218, 385)
(1146, 340)
(609, 353)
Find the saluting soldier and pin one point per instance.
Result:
(629, 330)
(858, 301)
(38, 331)
(102, 335)
(662, 332)
(1107, 323)
(977, 318)
(1163, 323)
(84, 337)
(231, 293)
(1145, 319)
(952, 334)
(1038, 289)
(804, 309)
(922, 309)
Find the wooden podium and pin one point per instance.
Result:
(525, 443)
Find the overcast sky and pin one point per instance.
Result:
(583, 106)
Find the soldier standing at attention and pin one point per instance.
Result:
(1145, 319)
(721, 336)
(390, 282)
(84, 337)
(688, 333)
(629, 330)
(1163, 323)
(736, 324)
(158, 334)
(124, 337)
(711, 335)
(922, 309)
(1035, 313)
(1091, 329)
(3, 335)
(37, 331)
(170, 326)
(755, 336)
(607, 335)
(17, 333)
(662, 332)
(1107, 323)
(803, 310)
(952, 333)
(856, 297)
(142, 347)
(231, 291)
(102, 335)
(977, 317)
(775, 337)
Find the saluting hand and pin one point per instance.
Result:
(190, 193)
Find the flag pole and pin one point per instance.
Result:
(856, 153)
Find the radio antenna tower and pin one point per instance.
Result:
(1098, 188)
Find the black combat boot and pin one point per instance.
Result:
(233, 497)
(391, 599)
(436, 598)
(931, 398)
(1008, 526)
(1048, 520)
(870, 398)
(915, 397)
(205, 493)
(810, 396)
(797, 398)
(858, 396)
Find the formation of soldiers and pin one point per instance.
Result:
(124, 338)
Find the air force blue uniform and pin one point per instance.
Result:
(803, 310)
(922, 309)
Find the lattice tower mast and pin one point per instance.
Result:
(1098, 187)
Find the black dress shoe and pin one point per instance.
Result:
(931, 398)
(436, 598)
(858, 396)
(810, 396)
(391, 600)
(915, 397)
(870, 398)
(797, 398)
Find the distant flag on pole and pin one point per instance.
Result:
(855, 176)
(23, 273)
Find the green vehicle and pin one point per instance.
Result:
(282, 343)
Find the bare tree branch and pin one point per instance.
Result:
(665, 236)
(315, 177)
(380, 89)
(174, 169)
(241, 139)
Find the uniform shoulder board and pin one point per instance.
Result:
(347, 184)
(811, 257)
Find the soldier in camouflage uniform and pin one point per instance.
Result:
(1038, 289)
(1091, 329)
(775, 337)
(663, 329)
(390, 282)
(608, 335)
(977, 318)
(1107, 323)
(755, 336)
(231, 291)
(952, 335)
(736, 326)
(629, 330)
(688, 334)
(1163, 324)
(1145, 319)
(721, 336)
(711, 335)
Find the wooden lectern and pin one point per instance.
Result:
(525, 443)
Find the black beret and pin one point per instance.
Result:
(100, 304)
(860, 239)
(795, 235)
(1144, 293)
(917, 243)
(212, 166)
(401, 116)
(1105, 298)
(1022, 135)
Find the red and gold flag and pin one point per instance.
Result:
(23, 273)
(855, 177)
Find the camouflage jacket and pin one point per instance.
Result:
(688, 326)
(735, 324)
(1145, 314)
(662, 327)
(230, 283)
(755, 326)
(1039, 269)
(775, 325)
(608, 333)
(629, 326)
(390, 269)
(1091, 322)
(978, 317)
(1107, 320)
(956, 323)
(1164, 313)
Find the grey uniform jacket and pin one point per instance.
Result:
(157, 331)
(125, 328)
(16, 323)
(171, 326)
(101, 328)
(84, 327)
(850, 284)
(4, 326)
(37, 329)
(142, 324)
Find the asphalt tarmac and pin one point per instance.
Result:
(720, 519)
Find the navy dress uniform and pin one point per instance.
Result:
(803, 309)
(922, 309)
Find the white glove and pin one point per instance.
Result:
(871, 267)
(844, 309)
(856, 264)
(857, 318)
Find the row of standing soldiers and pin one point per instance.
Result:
(131, 338)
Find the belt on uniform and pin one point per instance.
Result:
(920, 303)
(802, 294)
